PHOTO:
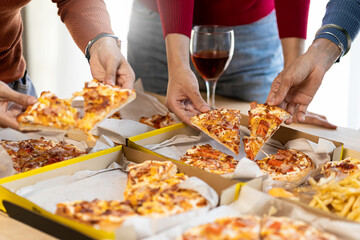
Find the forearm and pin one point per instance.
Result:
(177, 51)
(292, 48)
(85, 19)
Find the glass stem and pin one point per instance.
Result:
(210, 92)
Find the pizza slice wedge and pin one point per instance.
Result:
(264, 121)
(222, 125)
(101, 101)
(48, 113)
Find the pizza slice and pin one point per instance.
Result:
(49, 113)
(264, 121)
(101, 101)
(170, 201)
(347, 166)
(158, 121)
(100, 214)
(284, 228)
(209, 159)
(244, 228)
(222, 125)
(286, 165)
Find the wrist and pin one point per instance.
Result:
(326, 51)
(100, 38)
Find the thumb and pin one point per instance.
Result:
(19, 98)
(199, 102)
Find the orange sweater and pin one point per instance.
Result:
(85, 19)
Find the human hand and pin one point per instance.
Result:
(11, 103)
(294, 88)
(183, 97)
(108, 65)
(317, 120)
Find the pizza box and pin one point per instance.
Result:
(145, 142)
(36, 216)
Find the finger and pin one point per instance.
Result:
(318, 121)
(279, 96)
(7, 121)
(290, 108)
(179, 109)
(199, 102)
(301, 112)
(19, 98)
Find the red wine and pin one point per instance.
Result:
(210, 63)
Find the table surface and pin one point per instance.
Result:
(11, 229)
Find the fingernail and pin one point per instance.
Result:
(302, 118)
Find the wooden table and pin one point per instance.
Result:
(11, 229)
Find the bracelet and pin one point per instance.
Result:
(348, 38)
(87, 49)
(340, 45)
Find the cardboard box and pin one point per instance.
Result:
(19, 207)
(283, 135)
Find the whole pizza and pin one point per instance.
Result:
(255, 228)
(286, 165)
(34, 153)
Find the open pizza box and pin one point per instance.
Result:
(7, 171)
(173, 141)
(251, 201)
(20, 206)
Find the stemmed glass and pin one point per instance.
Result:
(211, 48)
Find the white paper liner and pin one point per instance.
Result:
(246, 169)
(144, 105)
(110, 185)
(6, 163)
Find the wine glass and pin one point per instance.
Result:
(211, 48)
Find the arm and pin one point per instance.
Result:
(292, 17)
(86, 19)
(183, 96)
(8, 112)
(296, 86)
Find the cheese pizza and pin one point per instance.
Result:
(346, 167)
(101, 101)
(34, 153)
(255, 228)
(286, 165)
(152, 190)
(49, 113)
(244, 228)
(264, 121)
(209, 159)
(222, 125)
(284, 228)
(158, 121)
(101, 214)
